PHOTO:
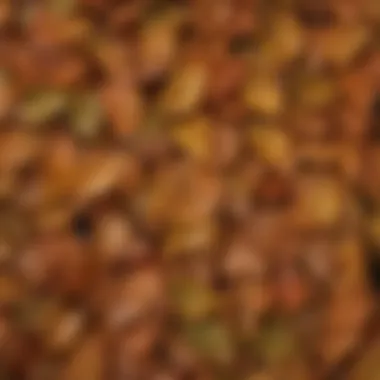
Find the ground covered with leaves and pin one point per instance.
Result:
(189, 190)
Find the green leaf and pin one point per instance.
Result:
(194, 301)
(43, 105)
(276, 343)
(87, 115)
(211, 340)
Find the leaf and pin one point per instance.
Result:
(87, 362)
(211, 340)
(369, 367)
(194, 137)
(87, 116)
(276, 343)
(62, 7)
(193, 300)
(42, 106)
